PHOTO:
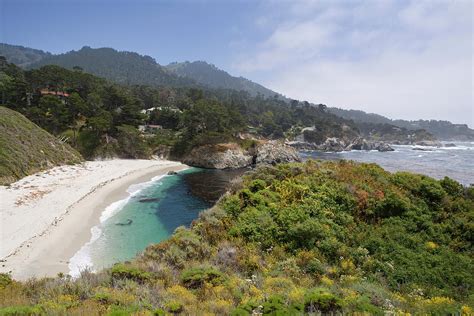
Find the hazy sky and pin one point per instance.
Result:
(402, 59)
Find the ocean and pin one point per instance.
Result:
(454, 162)
(153, 210)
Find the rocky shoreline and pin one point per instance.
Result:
(335, 144)
(233, 156)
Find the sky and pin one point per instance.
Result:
(399, 58)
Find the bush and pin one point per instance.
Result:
(122, 271)
(452, 187)
(196, 277)
(321, 300)
(5, 279)
(21, 310)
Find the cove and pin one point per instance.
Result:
(149, 215)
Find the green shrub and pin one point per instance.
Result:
(321, 300)
(275, 305)
(122, 271)
(195, 277)
(452, 187)
(21, 311)
(174, 307)
(5, 280)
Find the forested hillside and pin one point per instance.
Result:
(101, 118)
(20, 55)
(331, 238)
(26, 148)
(120, 67)
(213, 77)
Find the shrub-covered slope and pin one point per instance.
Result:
(332, 237)
(25, 148)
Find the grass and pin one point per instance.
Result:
(26, 148)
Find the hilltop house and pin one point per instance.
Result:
(61, 94)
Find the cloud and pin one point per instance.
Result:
(402, 59)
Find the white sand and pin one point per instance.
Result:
(46, 218)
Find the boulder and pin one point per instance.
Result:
(220, 156)
(430, 143)
(332, 144)
(274, 152)
(384, 147)
(360, 144)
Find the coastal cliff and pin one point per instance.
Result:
(233, 156)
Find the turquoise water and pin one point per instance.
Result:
(149, 215)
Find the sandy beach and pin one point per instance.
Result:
(47, 217)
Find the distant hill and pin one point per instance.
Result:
(22, 56)
(26, 148)
(133, 68)
(443, 130)
(213, 77)
(121, 67)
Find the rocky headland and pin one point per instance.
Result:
(233, 156)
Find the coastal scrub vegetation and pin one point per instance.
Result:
(292, 239)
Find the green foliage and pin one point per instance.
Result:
(5, 279)
(296, 239)
(21, 311)
(196, 277)
(122, 271)
(321, 300)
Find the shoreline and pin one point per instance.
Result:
(48, 252)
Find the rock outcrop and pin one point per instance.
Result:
(429, 143)
(232, 156)
(334, 144)
(273, 152)
(220, 156)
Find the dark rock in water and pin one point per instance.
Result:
(360, 144)
(172, 173)
(450, 145)
(430, 143)
(145, 200)
(128, 222)
(383, 147)
(422, 149)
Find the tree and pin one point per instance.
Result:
(56, 116)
